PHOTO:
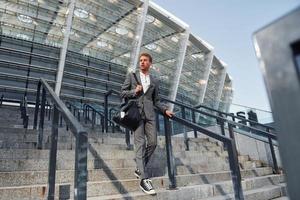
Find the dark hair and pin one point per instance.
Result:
(146, 55)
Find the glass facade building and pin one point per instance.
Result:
(84, 48)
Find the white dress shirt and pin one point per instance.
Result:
(145, 81)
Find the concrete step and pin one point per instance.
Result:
(10, 131)
(282, 198)
(250, 164)
(98, 162)
(264, 193)
(195, 193)
(103, 152)
(9, 179)
(101, 189)
(9, 165)
(224, 187)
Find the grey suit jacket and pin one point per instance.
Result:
(146, 101)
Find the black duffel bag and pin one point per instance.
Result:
(129, 115)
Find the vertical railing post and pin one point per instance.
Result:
(81, 175)
(157, 122)
(41, 123)
(106, 112)
(127, 138)
(78, 115)
(93, 119)
(46, 110)
(37, 105)
(26, 117)
(49, 115)
(113, 127)
(169, 151)
(222, 124)
(60, 120)
(85, 114)
(53, 154)
(186, 139)
(102, 123)
(275, 165)
(1, 100)
(194, 121)
(234, 165)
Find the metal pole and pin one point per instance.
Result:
(53, 155)
(106, 112)
(81, 175)
(78, 115)
(26, 117)
(41, 124)
(208, 64)
(85, 114)
(137, 42)
(64, 48)
(157, 122)
(49, 115)
(234, 166)
(1, 100)
(37, 105)
(194, 121)
(183, 43)
(275, 165)
(61, 120)
(93, 119)
(127, 138)
(169, 151)
(186, 139)
(102, 123)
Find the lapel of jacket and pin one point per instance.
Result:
(151, 83)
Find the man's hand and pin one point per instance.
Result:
(169, 113)
(138, 89)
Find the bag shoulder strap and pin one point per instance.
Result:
(134, 75)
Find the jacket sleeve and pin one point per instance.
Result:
(156, 100)
(126, 91)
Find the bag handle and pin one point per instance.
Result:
(134, 75)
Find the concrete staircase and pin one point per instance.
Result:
(202, 173)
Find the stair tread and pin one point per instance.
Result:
(159, 191)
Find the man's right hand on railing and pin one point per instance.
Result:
(169, 113)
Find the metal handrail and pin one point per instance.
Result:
(221, 118)
(24, 111)
(1, 99)
(235, 117)
(231, 124)
(75, 108)
(102, 115)
(107, 94)
(59, 108)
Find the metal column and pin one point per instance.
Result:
(137, 42)
(64, 48)
(208, 64)
(221, 86)
(184, 38)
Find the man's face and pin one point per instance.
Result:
(145, 63)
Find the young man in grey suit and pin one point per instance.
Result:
(147, 94)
